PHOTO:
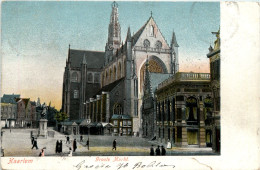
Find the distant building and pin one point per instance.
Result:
(214, 57)
(26, 112)
(9, 110)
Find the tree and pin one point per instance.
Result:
(61, 116)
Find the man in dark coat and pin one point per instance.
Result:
(57, 146)
(60, 145)
(68, 140)
(74, 145)
(157, 151)
(32, 140)
(114, 145)
(152, 151)
(35, 144)
(81, 138)
(163, 150)
(88, 143)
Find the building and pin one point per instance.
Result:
(214, 57)
(97, 85)
(182, 103)
(26, 112)
(8, 110)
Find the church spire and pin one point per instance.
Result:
(128, 38)
(174, 40)
(114, 29)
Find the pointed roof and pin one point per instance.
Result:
(84, 59)
(9, 98)
(128, 38)
(174, 40)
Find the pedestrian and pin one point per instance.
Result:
(61, 146)
(88, 143)
(157, 151)
(32, 139)
(35, 144)
(68, 140)
(169, 145)
(57, 146)
(81, 138)
(74, 145)
(152, 151)
(42, 152)
(114, 145)
(70, 152)
(163, 150)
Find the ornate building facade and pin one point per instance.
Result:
(98, 85)
(182, 103)
(214, 57)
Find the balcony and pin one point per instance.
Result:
(181, 76)
(150, 49)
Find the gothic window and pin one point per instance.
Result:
(158, 44)
(117, 109)
(74, 77)
(146, 43)
(96, 78)
(114, 73)
(90, 77)
(151, 30)
(76, 94)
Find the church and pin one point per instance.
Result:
(108, 86)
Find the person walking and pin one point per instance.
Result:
(74, 145)
(87, 144)
(32, 139)
(35, 144)
(68, 140)
(42, 152)
(163, 150)
(70, 152)
(61, 146)
(157, 151)
(57, 146)
(169, 145)
(114, 145)
(152, 151)
(81, 138)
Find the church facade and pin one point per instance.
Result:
(100, 85)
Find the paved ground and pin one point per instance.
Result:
(18, 143)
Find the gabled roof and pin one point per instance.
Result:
(136, 36)
(9, 98)
(94, 59)
(110, 86)
(25, 100)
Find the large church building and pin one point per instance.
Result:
(107, 86)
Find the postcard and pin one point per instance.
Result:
(130, 85)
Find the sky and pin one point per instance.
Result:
(35, 37)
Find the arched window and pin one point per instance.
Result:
(119, 71)
(74, 77)
(96, 78)
(114, 73)
(158, 44)
(90, 77)
(117, 109)
(110, 74)
(151, 30)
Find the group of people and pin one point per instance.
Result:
(158, 151)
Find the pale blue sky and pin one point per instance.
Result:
(36, 35)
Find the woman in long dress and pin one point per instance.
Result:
(169, 145)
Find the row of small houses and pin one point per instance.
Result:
(120, 125)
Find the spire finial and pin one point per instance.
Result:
(114, 4)
(69, 46)
(151, 13)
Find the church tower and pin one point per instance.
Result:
(174, 54)
(114, 34)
